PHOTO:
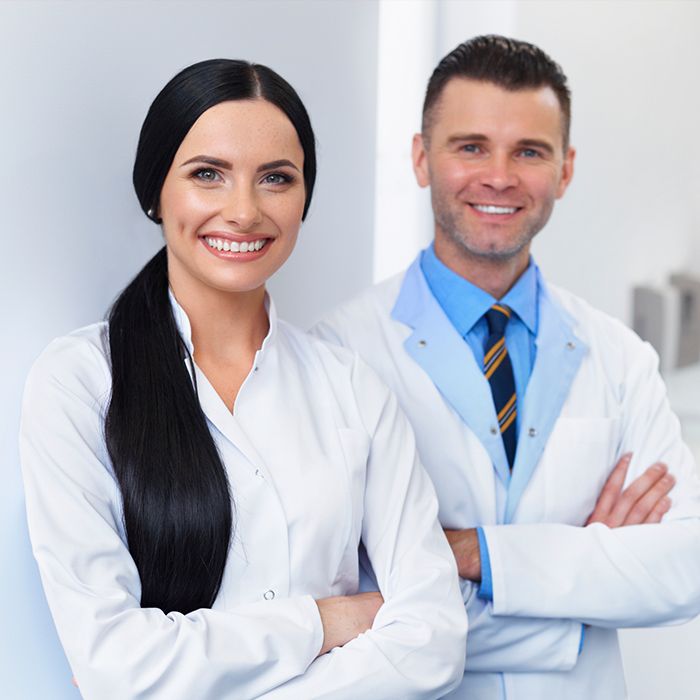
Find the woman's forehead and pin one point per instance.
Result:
(236, 128)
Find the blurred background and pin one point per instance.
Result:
(77, 79)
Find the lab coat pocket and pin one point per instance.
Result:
(355, 445)
(576, 462)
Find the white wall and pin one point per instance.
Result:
(77, 79)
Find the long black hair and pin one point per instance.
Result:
(175, 492)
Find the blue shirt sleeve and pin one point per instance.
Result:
(486, 587)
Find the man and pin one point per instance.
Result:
(523, 398)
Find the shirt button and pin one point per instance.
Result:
(269, 595)
(422, 343)
(255, 369)
(259, 474)
(571, 345)
(532, 432)
(493, 430)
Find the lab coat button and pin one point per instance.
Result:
(493, 430)
(269, 595)
(259, 474)
(532, 432)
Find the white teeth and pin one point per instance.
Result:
(235, 246)
(492, 209)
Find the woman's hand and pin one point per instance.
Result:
(345, 617)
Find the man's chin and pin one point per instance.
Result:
(494, 253)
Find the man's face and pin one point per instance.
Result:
(495, 162)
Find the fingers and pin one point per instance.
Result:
(611, 491)
(651, 505)
(659, 510)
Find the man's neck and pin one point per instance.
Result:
(495, 277)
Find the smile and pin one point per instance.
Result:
(493, 209)
(234, 246)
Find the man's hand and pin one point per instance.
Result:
(465, 547)
(644, 501)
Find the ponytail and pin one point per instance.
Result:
(177, 504)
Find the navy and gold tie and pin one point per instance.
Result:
(499, 372)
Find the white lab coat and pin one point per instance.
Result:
(594, 394)
(318, 455)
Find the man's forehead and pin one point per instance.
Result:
(467, 103)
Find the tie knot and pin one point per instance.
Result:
(497, 318)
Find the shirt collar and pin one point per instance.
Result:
(464, 303)
(183, 323)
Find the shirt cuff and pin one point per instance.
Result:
(486, 587)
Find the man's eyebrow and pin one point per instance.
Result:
(537, 143)
(277, 164)
(209, 160)
(467, 137)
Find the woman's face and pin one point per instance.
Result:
(232, 201)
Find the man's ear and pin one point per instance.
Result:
(419, 156)
(567, 171)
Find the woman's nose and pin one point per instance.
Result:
(242, 208)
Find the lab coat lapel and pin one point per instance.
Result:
(559, 355)
(212, 405)
(447, 359)
(225, 422)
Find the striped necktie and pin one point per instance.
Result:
(499, 372)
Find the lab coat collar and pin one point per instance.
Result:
(558, 357)
(438, 348)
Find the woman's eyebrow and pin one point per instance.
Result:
(277, 164)
(209, 160)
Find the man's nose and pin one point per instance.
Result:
(242, 208)
(499, 172)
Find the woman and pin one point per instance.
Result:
(199, 474)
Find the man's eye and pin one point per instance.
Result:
(529, 153)
(471, 148)
(206, 175)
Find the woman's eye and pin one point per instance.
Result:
(276, 179)
(206, 175)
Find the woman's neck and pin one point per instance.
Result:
(227, 327)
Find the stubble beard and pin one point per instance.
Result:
(459, 234)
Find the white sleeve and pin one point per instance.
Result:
(416, 646)
(116, 649)
(499, 644)
(629, 576)
(503, 644)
